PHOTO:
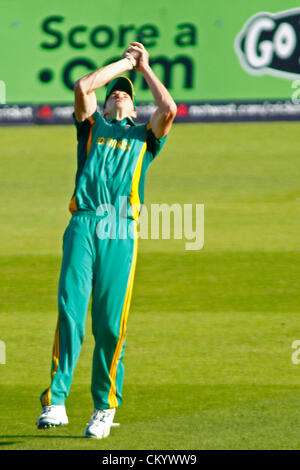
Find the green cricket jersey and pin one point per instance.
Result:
(113, 157)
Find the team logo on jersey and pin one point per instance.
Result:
(113, 143)
(270, 44)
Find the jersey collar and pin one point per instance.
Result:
(126, 121)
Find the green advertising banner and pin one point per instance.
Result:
(220, 51)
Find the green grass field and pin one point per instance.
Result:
(210, 333)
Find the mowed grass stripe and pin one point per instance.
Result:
(216, 282)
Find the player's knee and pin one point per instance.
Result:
(106, 332)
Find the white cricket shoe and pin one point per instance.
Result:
(51, 416)
(100, 424)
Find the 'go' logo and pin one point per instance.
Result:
(270, 44)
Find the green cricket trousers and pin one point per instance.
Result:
(103, 267)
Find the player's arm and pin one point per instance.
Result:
(162, 119)
(84, 89)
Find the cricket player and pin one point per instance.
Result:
(113, 156)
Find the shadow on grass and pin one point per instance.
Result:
(36, 435)
(9, 443)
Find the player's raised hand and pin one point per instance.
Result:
(143, 57)
(131, 55)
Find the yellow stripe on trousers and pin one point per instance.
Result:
(55, 358)
(112, 397)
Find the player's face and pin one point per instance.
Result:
(119, 101)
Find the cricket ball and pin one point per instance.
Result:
(135, 54)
